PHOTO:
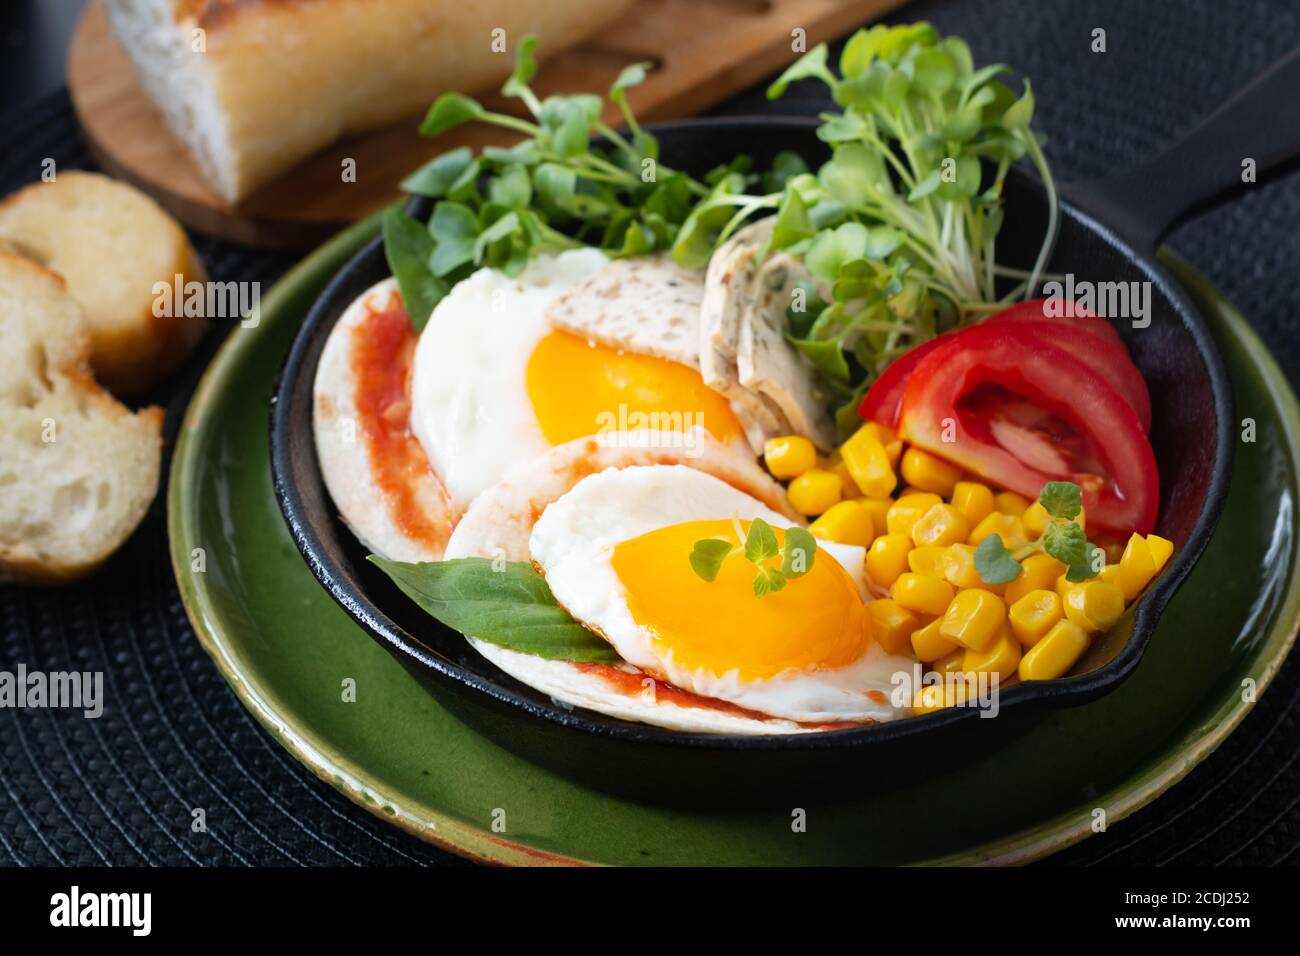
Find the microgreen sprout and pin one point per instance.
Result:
(759, 546)
(1063, 538)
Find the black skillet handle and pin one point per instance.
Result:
(1206, 165)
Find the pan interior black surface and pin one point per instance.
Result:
(1192, 421)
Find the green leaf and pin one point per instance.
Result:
(1019, 113)
(509, 605)
(512, 188)
(1067, 543)
(799, 553)
(811, 64)
(826, 356)
(932, 181)
(1083, 572)
(631, 75)
(525, 68)
(707, 557)
(833, 248)
(454, 227)
(435, 177)
(407, 247)
(792, 224)
(860, 50)
(768, 581)
(499, 230)
(1061, 499)
(994, 563)
(933, 73)
(760, 542)
(449, 110)
(854, 174)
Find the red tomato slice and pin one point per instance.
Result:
(1092, 339)
(1020, 420)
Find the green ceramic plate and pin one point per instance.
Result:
(286, 649)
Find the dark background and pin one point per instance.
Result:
(118, 790)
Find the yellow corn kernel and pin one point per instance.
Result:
(887, 558)
(951, 663)
(908, 510)
(1137, 567)
(1055, 653)
(929, 645)
(1001, 656)
(787, 456)
(1161, 549)
(1034, 615)
(887, 437)
(941, 525)
(878, 508)
(922, 594)
(846, 523)
(974, 618)
(868, 462)
(959, 568)
(928, 473)
(835, 465)
(1064, 586)
(1010, 503)
(1037, 519)
(1094, 605)
(892, 625)
(814, 491)
(1037, 572)
(932, 697)
(927, 560)
(972, 499)
(1011, 529)
(1109, 574)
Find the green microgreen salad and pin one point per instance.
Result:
(898, 227)
(1063, 538)
(760, 546)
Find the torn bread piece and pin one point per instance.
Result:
(377, 474)
(767, 363)
(77, 469)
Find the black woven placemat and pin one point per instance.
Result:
(120, 789)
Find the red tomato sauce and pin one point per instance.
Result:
(382, 346)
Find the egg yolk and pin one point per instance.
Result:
(816, 621)
(579, 389)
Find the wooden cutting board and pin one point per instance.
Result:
(703, 50)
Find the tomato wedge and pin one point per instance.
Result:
(1089, 338)
(1021, 416)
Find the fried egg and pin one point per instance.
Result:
(495, 385)
(615, 551)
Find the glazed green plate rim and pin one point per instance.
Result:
(345, 774)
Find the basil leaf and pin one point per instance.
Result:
(512, 607)
(707, 557)
(1061, 499)
(1067, 543)
(994, 563)
(799, 553)
(408, 248)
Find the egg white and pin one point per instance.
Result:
(573, 543)
(470, 408)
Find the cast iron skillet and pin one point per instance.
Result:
(1108, 233)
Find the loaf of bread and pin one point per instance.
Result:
(254, 86)
(77, 469)
(112, 245)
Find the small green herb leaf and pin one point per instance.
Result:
(435, 177)
(760, 542)
(1067, 543)
(811, 64)
(1061, 499)
(994, 563)
(525, 67)
(631, 75)
(450, 110)
(799, 552)
(768, 581)
(707, 557)
(503, 603)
